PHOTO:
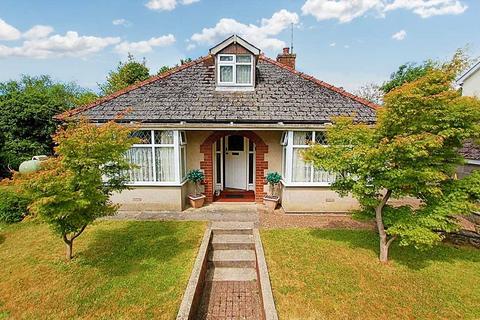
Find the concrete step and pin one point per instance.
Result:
(231, 274)
(232, 258)
(232, 227)
(232, 242)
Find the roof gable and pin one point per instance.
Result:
(470, 72)
(234, 39)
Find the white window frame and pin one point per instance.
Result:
(177, 144)
(234, 65)
(288, 162)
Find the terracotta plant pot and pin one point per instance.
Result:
(271, 203)
(196, 201)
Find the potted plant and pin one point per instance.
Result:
(197, 199)
(271, 199)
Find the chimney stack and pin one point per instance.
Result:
(287, 58)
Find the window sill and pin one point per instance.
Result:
(157, 184)
(234, 87)
(306, 184)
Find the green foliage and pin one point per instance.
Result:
(163, 69)
(126, 74)
(26, 110)
(274, 177)
(196, 176)
(407, 72)
(13, 205)
(412, 151)
(73, 189)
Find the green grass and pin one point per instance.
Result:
(122, 270)
(335, 274)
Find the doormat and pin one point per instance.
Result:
(234, 196)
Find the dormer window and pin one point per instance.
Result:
(235, 69)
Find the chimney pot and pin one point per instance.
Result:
(286, 50)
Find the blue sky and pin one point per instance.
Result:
(344, 42)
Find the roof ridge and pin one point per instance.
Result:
(322, 83)
(166, 74)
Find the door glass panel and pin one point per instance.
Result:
(235, 143)
(250, 168)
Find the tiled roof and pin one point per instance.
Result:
(187, 93)
(470, 151)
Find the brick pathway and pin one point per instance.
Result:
(230, 300)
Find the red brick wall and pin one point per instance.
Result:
(260, 163)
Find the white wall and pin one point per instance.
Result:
(471, 86)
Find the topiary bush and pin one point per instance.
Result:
(273, 179)
(196, 176)
(13, 205)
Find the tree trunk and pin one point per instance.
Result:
(69, 253)
(384, 243)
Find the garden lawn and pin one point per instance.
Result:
(121, 270)
(335, 274)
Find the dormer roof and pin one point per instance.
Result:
(234, 39)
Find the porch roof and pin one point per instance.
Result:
(188, 93)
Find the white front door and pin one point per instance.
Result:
(236, 163)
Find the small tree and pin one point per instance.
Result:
(273, 179)
(371, 92)
(73, 189)
(196, 176)
(127, 73)
(412, 151)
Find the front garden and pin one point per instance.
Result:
(121, 270)
(335, 274)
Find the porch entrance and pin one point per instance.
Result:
(234, 169)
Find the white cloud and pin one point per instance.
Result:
(347, 10)
(429, 8)
(400, 35)
(346, 46)
(167, 5)
(333, 44)
(70, 45)
(261, 36)
(38, 32)
(191, 46)
(8, 32)
(343, 10)
(146, 45)
(121, 22)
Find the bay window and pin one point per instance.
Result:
(295, 170)
(235, 69)
(159, 157)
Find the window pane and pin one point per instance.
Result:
(302, 137)
(301, 170)
(218, 167)
(165, 164)
(235, 143)
(244, 59)
(226, 58)
(250, 168)
(142, 158)
(163, 137)
(183, 137)
(251, 146)
(226, 73)
(183, 162)
(320, 137)
(144, 135)
(322, 176)
(218, 145)
(244, 74)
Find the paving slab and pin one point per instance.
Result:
(231, 274)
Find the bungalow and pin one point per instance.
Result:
(237, 115)
(469, 81)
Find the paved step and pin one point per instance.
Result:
(233, 258)
(232, 242)
(232, 227)
(231, 274)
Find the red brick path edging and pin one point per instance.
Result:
(260, 163)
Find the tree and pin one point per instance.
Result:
(412, 151)
(73, 188)
(27, 107)
(371, 92)
(407, 72)
(126, 74)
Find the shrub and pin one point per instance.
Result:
(13, 205)
(196, 176)
(273, 179)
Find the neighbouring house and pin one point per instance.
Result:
(237, 115)
(470, 84)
